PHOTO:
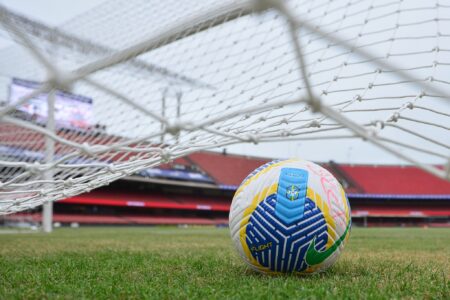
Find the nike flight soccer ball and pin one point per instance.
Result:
(290, 216)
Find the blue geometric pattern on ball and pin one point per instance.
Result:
(291, 194)
(280, 246)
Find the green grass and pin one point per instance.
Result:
(167, 263)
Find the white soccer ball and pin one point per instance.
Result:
(290, 216)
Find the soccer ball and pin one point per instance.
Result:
(290, 216)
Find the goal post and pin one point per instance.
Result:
(47, 208)
(242, 71)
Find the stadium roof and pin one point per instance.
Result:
(359, 180)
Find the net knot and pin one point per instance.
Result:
(60, 80)
(86, 149)
(422, 94)
(262, 5)
(174, 128)
(314, 123)
(165, 156)
(285, 132)
(315, 104)
(378, 123)
(97, 149)
(394, 117)
(253, 138)
(68, 183)
(409, 105)
(33, 168)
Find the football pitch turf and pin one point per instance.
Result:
(200, 263)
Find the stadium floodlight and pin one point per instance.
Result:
(248, 71)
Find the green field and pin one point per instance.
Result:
(193, 263)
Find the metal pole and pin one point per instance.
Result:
(47, 209)
(179, 95)
(163, 112)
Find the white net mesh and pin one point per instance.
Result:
(171, 77)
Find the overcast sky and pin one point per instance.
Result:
(56, 12)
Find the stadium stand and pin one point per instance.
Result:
(198, 188)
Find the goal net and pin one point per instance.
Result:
(129, 85)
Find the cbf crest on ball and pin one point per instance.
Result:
(290, 216)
